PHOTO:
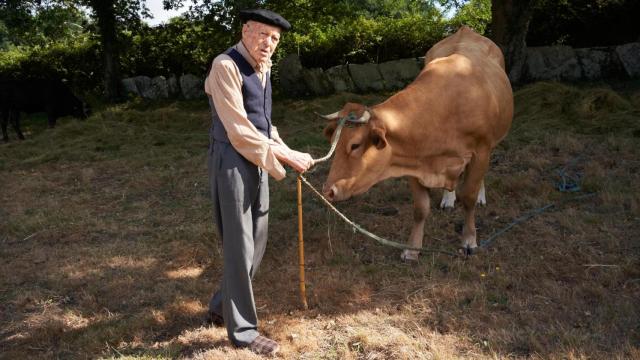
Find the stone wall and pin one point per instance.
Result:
(186, 86)
(561, 63)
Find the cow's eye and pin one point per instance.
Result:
(354, 146)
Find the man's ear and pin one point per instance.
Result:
(330, 129)
(378, 138)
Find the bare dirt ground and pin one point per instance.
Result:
(107, 248)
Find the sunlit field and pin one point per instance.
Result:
(108, 250)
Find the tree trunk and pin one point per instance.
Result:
(509, 27)
(105, 14)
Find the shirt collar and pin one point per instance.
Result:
(262, 67)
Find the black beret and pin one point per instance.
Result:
(266, 17)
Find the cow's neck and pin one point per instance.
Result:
(417, 152)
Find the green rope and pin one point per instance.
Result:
(530, 215)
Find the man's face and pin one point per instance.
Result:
(260, 39)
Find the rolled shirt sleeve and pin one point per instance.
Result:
(275, 136)
(224, 84)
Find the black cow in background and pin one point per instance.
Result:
(37, 95)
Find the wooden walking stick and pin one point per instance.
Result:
(303, 291)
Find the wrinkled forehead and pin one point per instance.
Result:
(262, 27)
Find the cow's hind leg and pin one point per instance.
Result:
(449, 198)
(15, 122)
(4, 120)
(482, 197)
(421, 208)
(469, 192)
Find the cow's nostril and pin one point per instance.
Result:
(329, 193)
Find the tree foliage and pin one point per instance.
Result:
(475, 14)
(39, 24)
(56, 38)
(585, 23)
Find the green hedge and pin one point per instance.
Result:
(362, 40)
(184, 46)
(77, 61)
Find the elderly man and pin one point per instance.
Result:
(245, 147)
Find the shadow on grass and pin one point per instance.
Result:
(123, 259)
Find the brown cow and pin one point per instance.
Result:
(443, 124)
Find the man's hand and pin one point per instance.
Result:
(299, 161)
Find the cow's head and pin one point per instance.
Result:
(362, 154)
(69, 103)
(80, 109)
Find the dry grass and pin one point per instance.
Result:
(107, 247)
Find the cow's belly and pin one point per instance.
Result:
(442, 172)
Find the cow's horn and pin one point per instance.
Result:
(362, 119)
(333, 116)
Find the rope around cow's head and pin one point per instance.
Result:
(351, 119)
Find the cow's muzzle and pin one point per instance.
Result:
(330, 193)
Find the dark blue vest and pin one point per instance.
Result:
(257, 100)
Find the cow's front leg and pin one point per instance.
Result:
(421, 208)
(469, 192)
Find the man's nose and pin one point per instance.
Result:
(270, 42)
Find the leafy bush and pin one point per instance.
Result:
(363, 39)
(77, 61)
(188, 45)
(180, 47)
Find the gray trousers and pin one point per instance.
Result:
(240, 195)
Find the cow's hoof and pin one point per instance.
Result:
(447, 209)
(469, 251)
(409, 255)
(447, 205)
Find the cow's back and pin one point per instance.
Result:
(38, 95)
(468, 42)
(26, 95)
(465, 92)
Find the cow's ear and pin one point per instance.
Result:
(330, 129)
(378, 138)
